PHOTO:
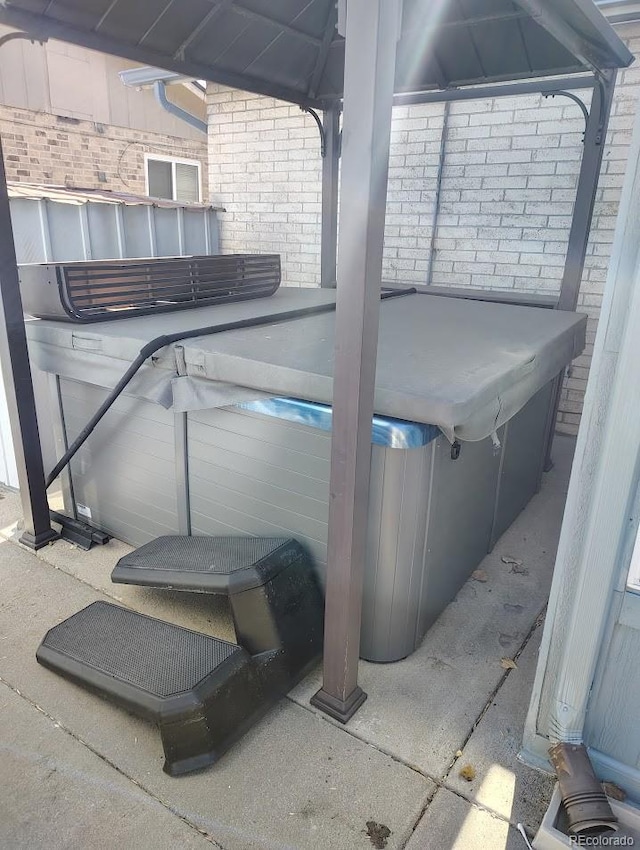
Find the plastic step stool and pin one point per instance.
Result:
(204, 693)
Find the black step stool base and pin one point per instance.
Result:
(273, 590)
(202, 692)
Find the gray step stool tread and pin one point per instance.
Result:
(201, 691)
(204, 564)
(113, 648)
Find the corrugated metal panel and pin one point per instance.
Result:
(55, 224)
(68, 195)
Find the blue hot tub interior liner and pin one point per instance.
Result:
(385, 431)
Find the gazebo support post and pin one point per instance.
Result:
(330, 169)
(16, 373)
(372, 29)
(594, 143)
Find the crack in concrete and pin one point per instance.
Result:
(111, 764)
(440, 782)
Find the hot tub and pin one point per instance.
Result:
(230, 434)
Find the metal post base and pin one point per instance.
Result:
(79, 533)
(341, 710)
(37, 541)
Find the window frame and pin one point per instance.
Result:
(174, 160)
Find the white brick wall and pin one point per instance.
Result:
(265, 169)
(507, 194)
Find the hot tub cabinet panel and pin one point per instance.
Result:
(235, 471)
(123, 480)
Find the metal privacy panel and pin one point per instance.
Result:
(94, 291)
(222, 555)
(117, 642)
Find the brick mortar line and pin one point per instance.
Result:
(112, 764)
(76, 130)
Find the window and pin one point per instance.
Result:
(173, 179)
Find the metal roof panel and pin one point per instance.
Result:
(290, 49)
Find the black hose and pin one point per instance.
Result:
(167, 339)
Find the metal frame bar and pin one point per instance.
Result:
(216, 10)
(469, 31)
(286, 28)
(464, 89)
(181, 425)
(594, 143)
(436, 202)
(151, 26)
(372, 29)
(323, 52)
(329, 220)
(59, 427)
(16, 371)
(580, 81)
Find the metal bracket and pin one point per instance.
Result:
(81, 533)
(316, 118)
(575, 99)
(32, 37)
(602, 120)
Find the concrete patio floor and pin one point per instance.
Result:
(77, 772)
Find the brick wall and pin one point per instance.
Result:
(508, 187)
(43, 148)
(265, 169)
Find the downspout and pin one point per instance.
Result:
(160, 91)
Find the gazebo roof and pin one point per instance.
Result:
(291, 49)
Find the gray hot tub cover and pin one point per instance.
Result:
(465, 366)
